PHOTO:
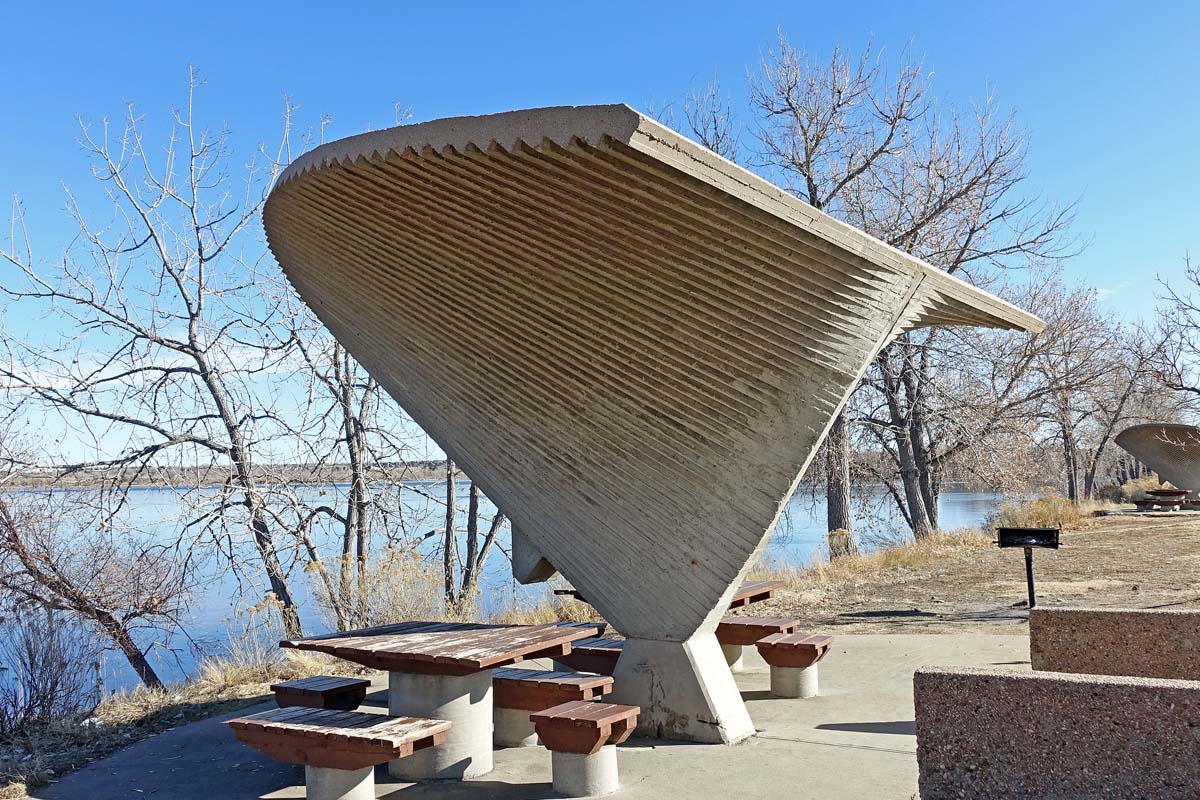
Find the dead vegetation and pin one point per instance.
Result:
(959, 582)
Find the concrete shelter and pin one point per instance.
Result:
(633, 345)
(1171, 450)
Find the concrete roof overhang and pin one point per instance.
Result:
(632, 344)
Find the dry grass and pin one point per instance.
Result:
(557, 608)
(1136, 489)
(1048, 509)
(893, 564)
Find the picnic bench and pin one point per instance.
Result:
(597, 654)
(443, 670)
(582, 739)
(517, 692)
(321, 691)
(736, 633)
(793, 660)
(338, 749)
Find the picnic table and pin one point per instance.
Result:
(443, 670)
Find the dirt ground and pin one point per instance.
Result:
(1120, 560)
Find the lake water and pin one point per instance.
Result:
(221, 596)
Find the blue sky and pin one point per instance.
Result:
(1108, 91)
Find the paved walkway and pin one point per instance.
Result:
(854, 741)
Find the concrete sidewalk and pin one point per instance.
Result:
(855, 742)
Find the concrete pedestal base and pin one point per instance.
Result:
(794, 682)
(685, 690)
(513, 728)
(466, 702)
(733, 657)
(322, 783)
(578, 775)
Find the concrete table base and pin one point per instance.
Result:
(733, 657)
(322, 783)
(685, 690)
(577, 775)
(466, 702)
(513, 728)
(794, 681)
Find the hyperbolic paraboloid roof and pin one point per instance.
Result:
(1171, 450)
(633, 345)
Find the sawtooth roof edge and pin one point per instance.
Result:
(595, 123)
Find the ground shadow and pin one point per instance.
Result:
(899, 727)
(500, 790)
(889, 613)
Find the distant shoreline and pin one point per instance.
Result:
(201, 477)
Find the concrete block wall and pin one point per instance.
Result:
(990, 733)
(1144, 643)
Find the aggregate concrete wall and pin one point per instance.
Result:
(632, 345)
(1146, 643)
(990, 734)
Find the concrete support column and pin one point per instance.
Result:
(794, 681)
(577, 775)
(323, 783)
(733, 657)
(465, 702)
(685, 690)
(513, 728)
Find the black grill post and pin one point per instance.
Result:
(1027, 539)
(1029, 576)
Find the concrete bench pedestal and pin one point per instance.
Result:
(465, 701)
(583, 775)
(326, 783)
(733, 657)
(513, 728)
(794, 681)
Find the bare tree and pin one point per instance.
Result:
(52, 556)
(871, 146)
(163, 356)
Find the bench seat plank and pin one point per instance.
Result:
(336, 739)
(593, 655)
(534, 690)
(322, 691)
(584, 728)
(748, 630)
(798, 650)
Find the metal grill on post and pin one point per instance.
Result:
(1027, 539)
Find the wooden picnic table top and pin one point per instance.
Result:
(447, 648)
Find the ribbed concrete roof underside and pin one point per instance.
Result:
(634, 346)
(1173, 451)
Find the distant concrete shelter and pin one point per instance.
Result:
(1171, 450)
(633, 345)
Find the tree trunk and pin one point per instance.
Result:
(922, 459)
(133, 654)
(837, 480)
(1070, 461)
(449, 541)
(470, 565)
